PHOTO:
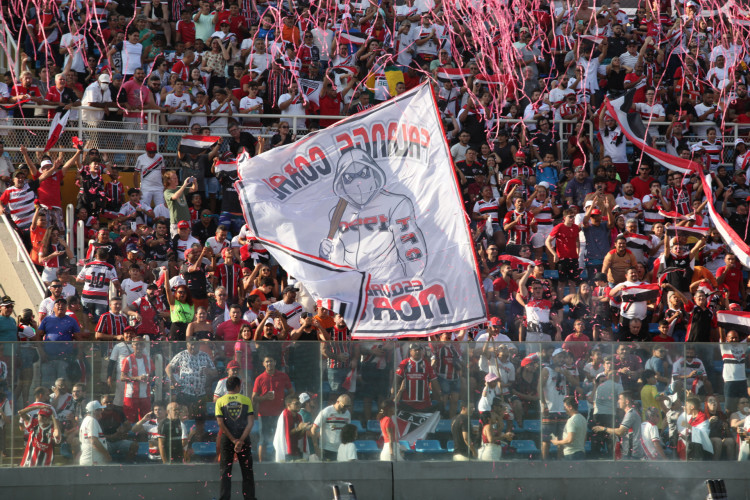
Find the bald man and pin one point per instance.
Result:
(328, 424)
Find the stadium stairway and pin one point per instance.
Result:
(17, 280)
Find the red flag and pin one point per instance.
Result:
(56, 129)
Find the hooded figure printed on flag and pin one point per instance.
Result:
(376, 230)
(367, 214)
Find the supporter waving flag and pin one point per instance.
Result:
(387, 219)
(196, 144)
(56, 129)
(734, 320)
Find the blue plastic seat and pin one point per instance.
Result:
(450, 446)
(142, 450)
(653, 328)
(366, 446)
(189, 424)
(524, 447)
(443, 426)
(373, 426)
(212, 427)
(431, 446)
(211, 409)
(406, 449)
(204, 449)
(532, 425)
(358, 425)
(551, 274)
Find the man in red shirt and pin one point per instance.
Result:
(565, 250)
(269, 391)
(61, 94)
(730, 275)
(229, 331)
(50, 177)
(26, 91)
(414, 379)
(642, 183)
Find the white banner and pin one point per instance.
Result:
(375, 195)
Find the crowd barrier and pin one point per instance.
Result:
(521, 435)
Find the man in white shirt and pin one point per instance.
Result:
(73, 44)
(96, 95)
(93, 445)
(257, 60)
(148, 171)
(178, 102)
(291, 103)
(329, 423)
(134, 211)
(706, 111)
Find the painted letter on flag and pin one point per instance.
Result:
(372, 203)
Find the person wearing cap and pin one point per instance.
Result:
(233, 370)
(289, 307)
(149, 168)
(97, 95)
(491, 390)
(8, 327)
(43, 433)
(414, 380)
(19, 200)
(554, 383)
(93, 444)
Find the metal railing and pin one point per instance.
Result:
(23, 256)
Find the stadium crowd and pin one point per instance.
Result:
(560, 250)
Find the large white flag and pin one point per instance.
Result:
(368, 214)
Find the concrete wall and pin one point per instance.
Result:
(376, 481)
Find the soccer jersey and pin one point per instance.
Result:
(150, 170)
(447, 361)
(417, 376)
(488, 208)
(20, 203)
(520, 234)
(112, 324)
(97, 276)
(234, 410)
(40, 444)
(134, 367)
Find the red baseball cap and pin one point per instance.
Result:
(183, 224)
(233, 364)
(45, 412)
(496, 322)
(520, 154)
(577, 162)
(596, 211)
(150, 146)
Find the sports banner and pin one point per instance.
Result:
(640, 293)
(196, 144)
(310, 90)
(734, 320)
(372, 201)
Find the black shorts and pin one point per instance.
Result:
(568, 270)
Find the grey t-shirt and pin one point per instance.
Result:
(606, 395)
(577, 425)
(631, 441)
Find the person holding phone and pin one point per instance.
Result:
(174, 194)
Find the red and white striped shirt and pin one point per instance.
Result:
(520, 234)
(447, 359)
(112, 324)
(713, 149)
(417, 376)
(229, 277)
(544, 216)
(20, 203)
(340, 344)
(488, 208)
(97, 276)
(134, 367)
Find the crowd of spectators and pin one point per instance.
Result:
(169, 257)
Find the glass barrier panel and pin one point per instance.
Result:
(443, 400)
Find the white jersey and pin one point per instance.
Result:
(330, 422)
(150, 170)
(555, 390)
(291, 311)
(133, 290)
(89, 431)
